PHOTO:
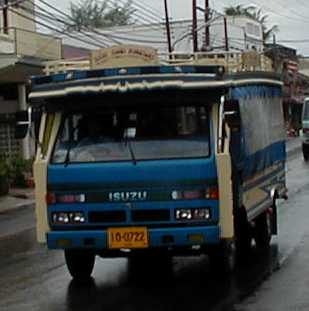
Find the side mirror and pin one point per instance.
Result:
(22, 123)
(232, 113)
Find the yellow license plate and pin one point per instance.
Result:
(135, 237)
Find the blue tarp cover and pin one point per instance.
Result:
(262, 141)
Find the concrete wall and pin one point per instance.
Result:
(22, 38)
(18, 21)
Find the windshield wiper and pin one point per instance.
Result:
(128, 143)
(67, 156)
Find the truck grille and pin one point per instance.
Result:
(107, 217)
(143, 215)
(150, 215)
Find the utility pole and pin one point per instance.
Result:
(226, 35)
(207, 39)
(168, 29)
(5, 17)
(194, 26)
(275, 53)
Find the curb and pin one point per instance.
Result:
(18, 207)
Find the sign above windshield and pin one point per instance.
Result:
(124, 56)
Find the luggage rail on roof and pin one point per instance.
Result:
(232, 61)
(65, 65)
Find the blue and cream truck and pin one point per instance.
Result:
(161, 160)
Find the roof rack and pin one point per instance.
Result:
(233, 62)
(65, 65)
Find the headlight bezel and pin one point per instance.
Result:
(193, 214)
(68, 218)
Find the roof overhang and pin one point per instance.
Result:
(17, 69)
(183, 86)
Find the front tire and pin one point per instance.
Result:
(223, 257)
(263, 230)
(243, 232)
(305, 148)
(80, 263)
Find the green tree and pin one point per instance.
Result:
(238, 10)
(256, 14)
(88, 14)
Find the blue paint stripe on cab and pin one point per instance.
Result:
(165, 171)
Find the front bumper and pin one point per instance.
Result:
(97, 239)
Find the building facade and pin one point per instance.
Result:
(23, 52)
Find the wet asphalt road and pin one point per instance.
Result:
(33, 278)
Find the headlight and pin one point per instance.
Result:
(63, 218)
(193, 214)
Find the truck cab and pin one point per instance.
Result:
(158, 160)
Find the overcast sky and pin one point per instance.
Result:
(292, 17)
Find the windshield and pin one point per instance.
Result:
(119, 135)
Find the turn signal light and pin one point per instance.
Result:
(71, 198)
(50, 198)
(191, 195)
(212, 193)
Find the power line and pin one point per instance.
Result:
(296, 13)
(294, 41)
(111, 37)
(10, 4)
(154, 9)
(70, 18)
(144, 8)
(199, 27)
(150, 14)
(281, 15)
(52, 19)
(304, 4)
(137, 40)
(112, 5)
(53, 29)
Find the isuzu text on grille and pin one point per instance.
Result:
(127, 196)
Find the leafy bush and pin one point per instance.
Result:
(20, 171)
(4, 176)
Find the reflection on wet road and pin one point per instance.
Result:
(33, 278)
(38, 280)
(190, 285)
